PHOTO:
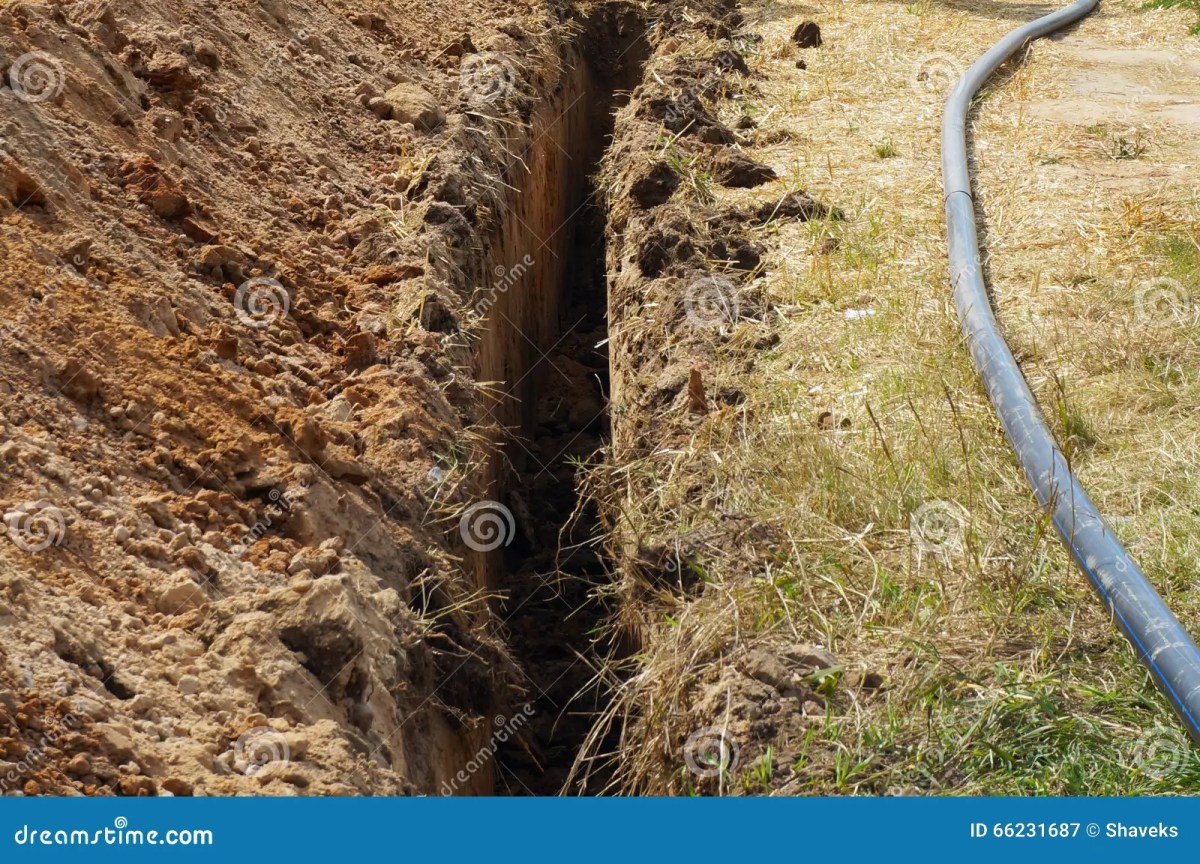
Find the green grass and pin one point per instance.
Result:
(1182, 254)
(886, 150)
(1119, 147)
(1031, 737)
(1013, 682)
(1125, 149)
(1194, 5)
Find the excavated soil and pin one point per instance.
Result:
(704, 706)
(278, 279)
(305, 359)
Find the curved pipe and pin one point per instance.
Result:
(1162, 644)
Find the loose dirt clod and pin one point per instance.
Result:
(808, 35)
(410, 103)
(735, 169)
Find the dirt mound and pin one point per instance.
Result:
(242, 241)
(705, 707)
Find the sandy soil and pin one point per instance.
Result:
(228, 397)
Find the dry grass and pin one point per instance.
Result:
(1003, 674)
(1193, 5)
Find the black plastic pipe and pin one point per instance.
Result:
(1161, 643)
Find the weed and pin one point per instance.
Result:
(1128, 148)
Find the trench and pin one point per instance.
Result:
(546, 340)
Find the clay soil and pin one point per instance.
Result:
(239, 415)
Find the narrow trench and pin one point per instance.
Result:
(554, 574)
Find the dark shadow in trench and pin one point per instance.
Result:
(555, 572)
